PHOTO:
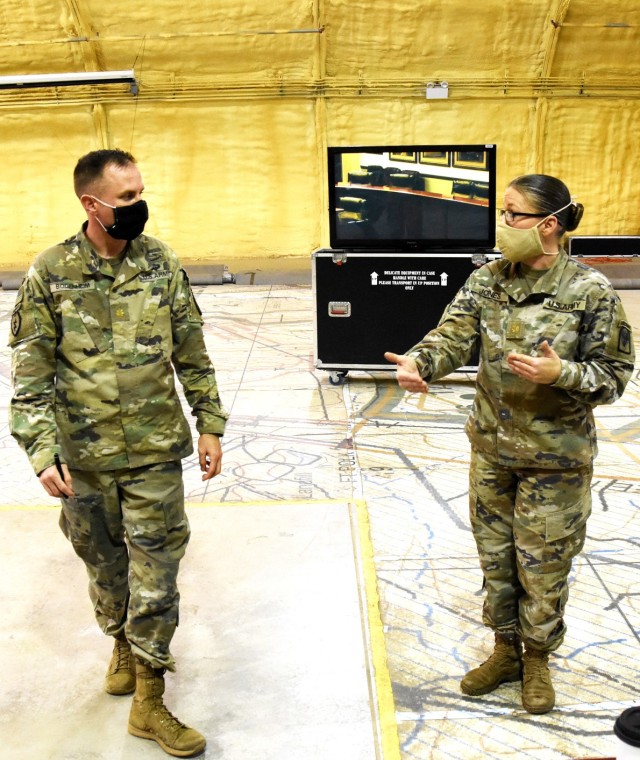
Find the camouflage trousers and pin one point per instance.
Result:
(528, 525)
(130, 529)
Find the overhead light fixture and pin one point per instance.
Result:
(20, 81)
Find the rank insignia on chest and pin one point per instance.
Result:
(120, 313)
(515, 330)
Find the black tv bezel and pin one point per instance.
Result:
(424, 245)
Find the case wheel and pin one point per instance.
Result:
(338, 378)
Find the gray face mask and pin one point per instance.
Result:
(518, 244)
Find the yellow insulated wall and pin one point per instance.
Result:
(220, 179)
(237, 103)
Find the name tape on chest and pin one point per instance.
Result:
(494, 295)
(549, 303)
(153, 276)
(57, 287)
(74, 287)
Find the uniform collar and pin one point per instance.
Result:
(548, 284)
(133, 263)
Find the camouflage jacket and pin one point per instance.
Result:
(94, 354)
(525, 424)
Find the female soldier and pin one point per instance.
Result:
(554, 343)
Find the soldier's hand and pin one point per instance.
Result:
(543, 369)
(210, 455)
(407, 373)
(53, 484)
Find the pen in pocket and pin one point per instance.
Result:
(535, 351)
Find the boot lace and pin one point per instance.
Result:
(536, 668)
(121, 655)
(167, 720)
(504, 652)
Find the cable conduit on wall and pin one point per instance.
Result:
(150, 91)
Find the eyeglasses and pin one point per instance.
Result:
(511, 216)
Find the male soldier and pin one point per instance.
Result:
(100, 323)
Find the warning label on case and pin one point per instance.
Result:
(409, 279)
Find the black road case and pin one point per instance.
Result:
(616, 256)
(369, 303)
(609, 246)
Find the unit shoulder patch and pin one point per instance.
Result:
(16, 322)
(23, 325)
(624, 338)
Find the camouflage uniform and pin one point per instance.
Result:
(94, 352)
(532, 445)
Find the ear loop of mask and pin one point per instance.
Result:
(104, 204)
(571, 203)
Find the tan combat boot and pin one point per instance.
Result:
(505, 664)
(150, 719)
(121, 675)
(538, 695)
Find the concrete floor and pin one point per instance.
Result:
(331, 592)
(271, 660)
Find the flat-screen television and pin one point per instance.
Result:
(412, 197)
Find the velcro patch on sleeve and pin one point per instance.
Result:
(23, 325)
(624, 338)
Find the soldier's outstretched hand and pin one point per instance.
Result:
(407, 373)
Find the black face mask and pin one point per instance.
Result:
(128, 222)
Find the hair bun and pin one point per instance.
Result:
(575, 212)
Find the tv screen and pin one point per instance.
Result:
(412, 197)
